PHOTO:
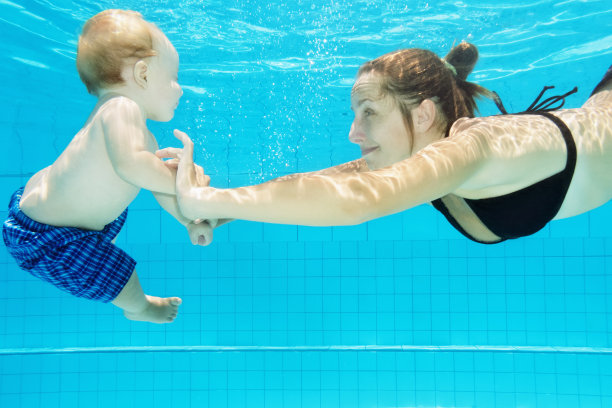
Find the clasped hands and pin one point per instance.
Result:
(200, 231)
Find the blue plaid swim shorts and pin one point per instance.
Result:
(81, 262)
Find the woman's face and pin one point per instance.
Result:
(378, 128)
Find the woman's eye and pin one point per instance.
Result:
(368, 112)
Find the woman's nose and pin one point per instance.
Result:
(355, 135)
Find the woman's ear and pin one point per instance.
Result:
(141, 70)
(424, 115)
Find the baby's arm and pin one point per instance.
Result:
(170, 205)
(131, 147)
(200, 232)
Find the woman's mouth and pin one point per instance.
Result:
(367, 150)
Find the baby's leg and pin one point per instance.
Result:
(138, 306)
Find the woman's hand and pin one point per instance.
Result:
(190, 178)
(200, 232)
(186, 175)
(174, 154)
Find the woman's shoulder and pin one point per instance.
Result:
(514, 130)
(487, 129)
(508, 141)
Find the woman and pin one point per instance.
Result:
(494, 178)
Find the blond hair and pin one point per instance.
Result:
(108, 39)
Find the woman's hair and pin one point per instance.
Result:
(413, 75)
(107, 40)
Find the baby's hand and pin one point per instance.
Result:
(200, 232)
(173, 154)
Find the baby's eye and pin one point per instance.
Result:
(368, 112)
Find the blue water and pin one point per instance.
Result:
(398, 312)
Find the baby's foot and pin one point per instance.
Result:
(158, 310)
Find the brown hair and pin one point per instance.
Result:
(413, 75)
(107, 40)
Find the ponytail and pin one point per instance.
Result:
(463, 58)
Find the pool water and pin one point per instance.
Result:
(398, 312)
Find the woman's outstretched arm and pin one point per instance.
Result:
(333, 198)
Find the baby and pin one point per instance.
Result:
(61, 226)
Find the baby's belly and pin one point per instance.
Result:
(81, 209)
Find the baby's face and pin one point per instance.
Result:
(164, 91)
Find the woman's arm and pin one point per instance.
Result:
(335, 198)
(172, 153)
(354, 166)
(350, 167)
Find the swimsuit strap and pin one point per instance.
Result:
(543, 108)
(536, 106)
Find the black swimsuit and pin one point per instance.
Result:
(521, 212)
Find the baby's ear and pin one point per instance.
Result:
(141, 70)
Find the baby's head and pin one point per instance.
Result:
(110, 40)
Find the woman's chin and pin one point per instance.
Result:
(372, 165)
